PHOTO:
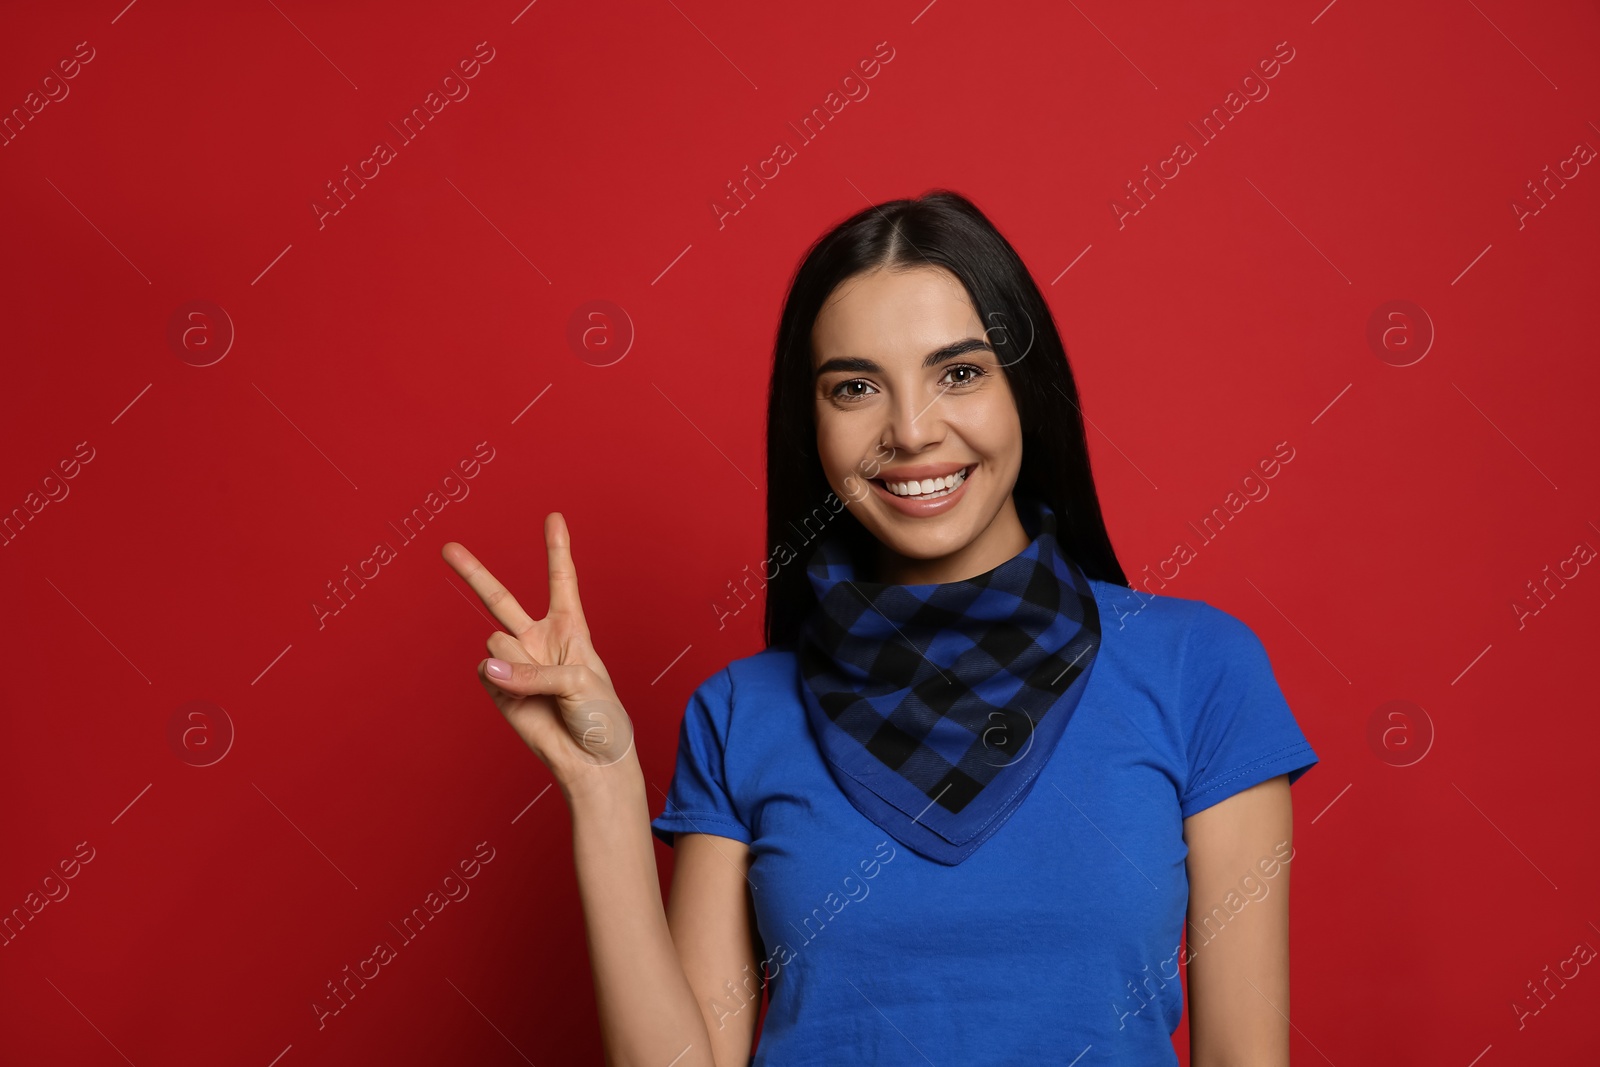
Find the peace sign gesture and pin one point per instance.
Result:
(554, 691)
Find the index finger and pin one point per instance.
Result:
(496, 597)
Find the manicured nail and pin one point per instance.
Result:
(498, 668)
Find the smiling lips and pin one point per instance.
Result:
(914, 487)
(924, 491)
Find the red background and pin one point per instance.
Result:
(373, 353)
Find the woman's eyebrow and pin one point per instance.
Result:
(932, 359)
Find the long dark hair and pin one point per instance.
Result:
(942, 229)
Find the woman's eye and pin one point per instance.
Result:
(842, 390)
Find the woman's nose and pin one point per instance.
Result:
(914, 421)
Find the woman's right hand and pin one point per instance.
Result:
(558, 696)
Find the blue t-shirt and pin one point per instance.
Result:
(1060, 935)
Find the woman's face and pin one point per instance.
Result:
(908, 388)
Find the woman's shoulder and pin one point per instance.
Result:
(759, 674)
(740, 698)
(1155, 628)
(773, 665)
(1141, 612)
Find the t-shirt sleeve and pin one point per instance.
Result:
(1238, 728)
(698, 800)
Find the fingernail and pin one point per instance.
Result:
(498, 668)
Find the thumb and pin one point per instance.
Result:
(529, 679)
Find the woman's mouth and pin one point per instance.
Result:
(926, 497)
(927, 488)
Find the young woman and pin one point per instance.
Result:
(959, 808)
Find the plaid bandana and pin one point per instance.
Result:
(936, 706)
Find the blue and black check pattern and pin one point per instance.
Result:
(936, 706)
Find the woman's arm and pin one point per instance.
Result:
(712, 918)
(1238, 932)
(658, 985)
(548, 681)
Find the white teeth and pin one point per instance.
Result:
(927, 486)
